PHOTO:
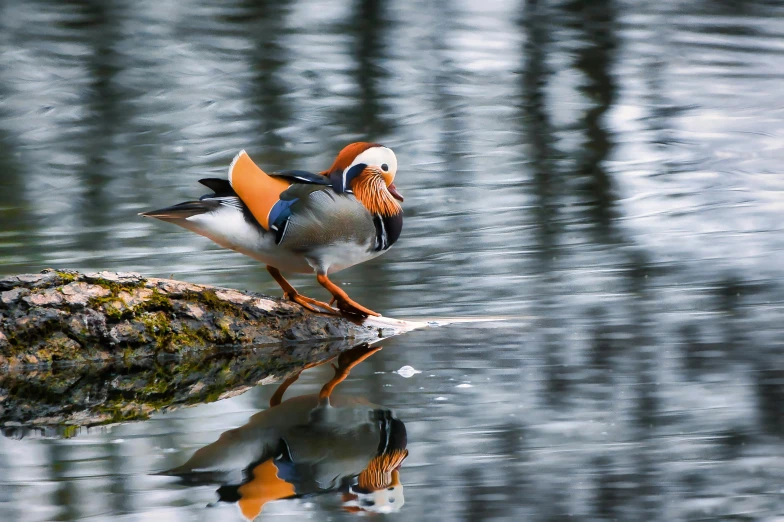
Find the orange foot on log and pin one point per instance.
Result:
(345, 303)
(290, 293)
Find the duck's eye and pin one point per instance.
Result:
(384, 167)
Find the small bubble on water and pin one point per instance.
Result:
(407, 371)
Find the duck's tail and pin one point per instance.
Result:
(183, 210)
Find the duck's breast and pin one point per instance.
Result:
(332, 231)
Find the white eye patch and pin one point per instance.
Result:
(376, 157)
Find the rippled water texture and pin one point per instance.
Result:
(606, 174)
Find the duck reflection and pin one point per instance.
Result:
(309, 445)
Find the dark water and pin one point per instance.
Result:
(607, 174)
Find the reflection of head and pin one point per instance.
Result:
(378, 487)
(383, 500)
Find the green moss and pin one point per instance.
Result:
(67, 276)
(122, 413)
(205, 334)
(115, 288)
(115, 309)
(97, 302)
(213, 394)
(224, 330)
(215, 303)
(158, 326)
(156, 387)
(188, 337)
(157, 301)
(111, 305)
(69, 431)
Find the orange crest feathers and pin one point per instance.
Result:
(347, 155)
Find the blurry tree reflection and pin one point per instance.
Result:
(594, 58)
(538, 131)
(265, 23)
(369, 26)
(66, 495)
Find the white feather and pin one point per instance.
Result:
(229, 201)
(227, 226)
(339, 256)
(374, 157)
(234, 162)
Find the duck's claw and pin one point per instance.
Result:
(350, 306)
(345, 303)
(308, 303)
(290, 293)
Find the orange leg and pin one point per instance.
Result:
(345, 303)
(277, 397)
(346, 361)
(290, 293)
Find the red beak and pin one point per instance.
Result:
(393, 190)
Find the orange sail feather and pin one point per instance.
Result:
(258, 190)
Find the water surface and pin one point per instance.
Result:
(606, 174)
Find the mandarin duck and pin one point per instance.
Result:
(300, 221)
(308, 445)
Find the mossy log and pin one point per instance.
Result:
(66, 316)
(61, 400)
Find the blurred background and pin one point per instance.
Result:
(606, 175)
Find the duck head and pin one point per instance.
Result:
(387, 499)
(378, 487)
(368, 171)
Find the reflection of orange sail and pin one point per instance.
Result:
(265, 486)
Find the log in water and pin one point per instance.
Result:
(63, 315)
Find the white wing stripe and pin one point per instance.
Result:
(234, 162)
